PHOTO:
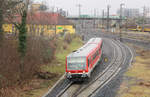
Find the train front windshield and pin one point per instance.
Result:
(76, 63)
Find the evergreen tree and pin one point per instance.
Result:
(1, 20)
(22, 46)
(22, 35)
(22, 42)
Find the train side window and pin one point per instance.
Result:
(102, 45)
(91, 60)
(88, 62)
(95, 55)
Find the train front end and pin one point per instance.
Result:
(76, 68)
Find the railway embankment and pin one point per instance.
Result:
(136, 81)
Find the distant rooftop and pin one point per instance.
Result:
(43, 18)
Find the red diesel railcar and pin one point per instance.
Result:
(80, 63)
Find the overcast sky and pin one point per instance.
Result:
(88, 6)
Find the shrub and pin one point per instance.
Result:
(62, 34)
(9, 63)
(10, 92)
(39, 51)
(64, 46)
(68, 38)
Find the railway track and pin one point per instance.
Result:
(59, 87)
(101, 80)
(116, 71)
(89, 89)
(106, 77)
(59, 95)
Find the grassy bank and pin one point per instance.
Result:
(56, 67)
(136, 81)
(63, 49)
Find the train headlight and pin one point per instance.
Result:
(69, 75)
(84, 74)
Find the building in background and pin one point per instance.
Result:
(42, 23)
(38, 7)
(35, 7)
(62, 12)
(147, 12)
(130, 12)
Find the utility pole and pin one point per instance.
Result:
(120, 22)
(79, 5)
(108, 8)
(67, 13)
(103, 13)
(143, 22)
(94, 18)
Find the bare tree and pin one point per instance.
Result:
(2, 10)
(21, 10)
(5, 7)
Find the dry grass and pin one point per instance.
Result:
(138, 84)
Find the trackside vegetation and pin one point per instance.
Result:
(136, 81)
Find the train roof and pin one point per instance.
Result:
(94, 40)
(86, 49)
